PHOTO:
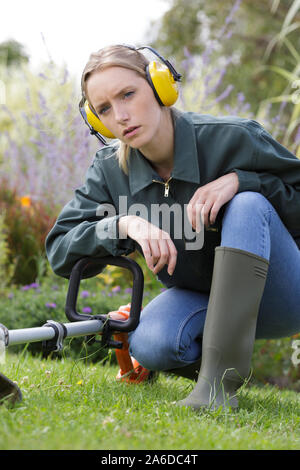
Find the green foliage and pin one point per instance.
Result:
(272, 363)
(45, 147)
(12, 53)
(291, 75)
(5, 269)
(194, 23)
(27, 93)
(114, 276)
(27, 223)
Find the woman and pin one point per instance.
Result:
(238, 278)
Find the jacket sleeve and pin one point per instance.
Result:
(87, 226)
(275, 174)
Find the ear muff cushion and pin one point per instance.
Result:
(96, 124)
(163, 83)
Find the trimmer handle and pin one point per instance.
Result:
(136, 297)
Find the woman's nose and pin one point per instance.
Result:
(121, 114)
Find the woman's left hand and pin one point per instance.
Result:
(208, 199)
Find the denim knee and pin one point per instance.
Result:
(170, 330)
(150, 349)
(246, 223)
(249, 201)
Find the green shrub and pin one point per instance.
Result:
(272, 363)
(26, 224)
(5, 268)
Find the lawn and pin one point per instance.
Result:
(70, 404)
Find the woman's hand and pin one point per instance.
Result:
(208, 199)
(157, 245)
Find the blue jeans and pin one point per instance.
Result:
(170, 331)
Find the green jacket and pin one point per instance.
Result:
(206, 147)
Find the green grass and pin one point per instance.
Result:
(69, 404)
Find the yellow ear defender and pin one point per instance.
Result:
(163, 79)
(161, 76)
(96, 123)
(162, 83)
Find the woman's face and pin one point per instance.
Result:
(125, 104)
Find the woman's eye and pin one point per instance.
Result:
(103, 110)
(129, 93)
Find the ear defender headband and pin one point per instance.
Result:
(161, 76)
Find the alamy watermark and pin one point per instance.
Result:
(296, 94)
(159, 215)
(296, 354)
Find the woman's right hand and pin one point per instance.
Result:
(157, 245)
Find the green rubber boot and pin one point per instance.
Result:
(237, 287)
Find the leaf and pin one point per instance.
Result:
(292, 50)
(291, 13)
(290, 76)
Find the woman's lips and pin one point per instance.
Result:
(131, 131)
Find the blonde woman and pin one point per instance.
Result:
(228, 255)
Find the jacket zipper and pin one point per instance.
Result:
(166, 185)
(166, 194)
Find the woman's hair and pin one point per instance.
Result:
(121, 56)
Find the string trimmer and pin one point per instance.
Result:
(113, 332)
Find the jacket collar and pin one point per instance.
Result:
(186, 166)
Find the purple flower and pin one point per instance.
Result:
(85, 294)
(34, 285)
(43, 76)
(297, 138)
(128, 290)
(10, 295)
(50, 305)
(87, 310)
(225, 93)
(116, 289)
(65, 77)
(62, 164)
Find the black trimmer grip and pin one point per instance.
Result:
(136, 297)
